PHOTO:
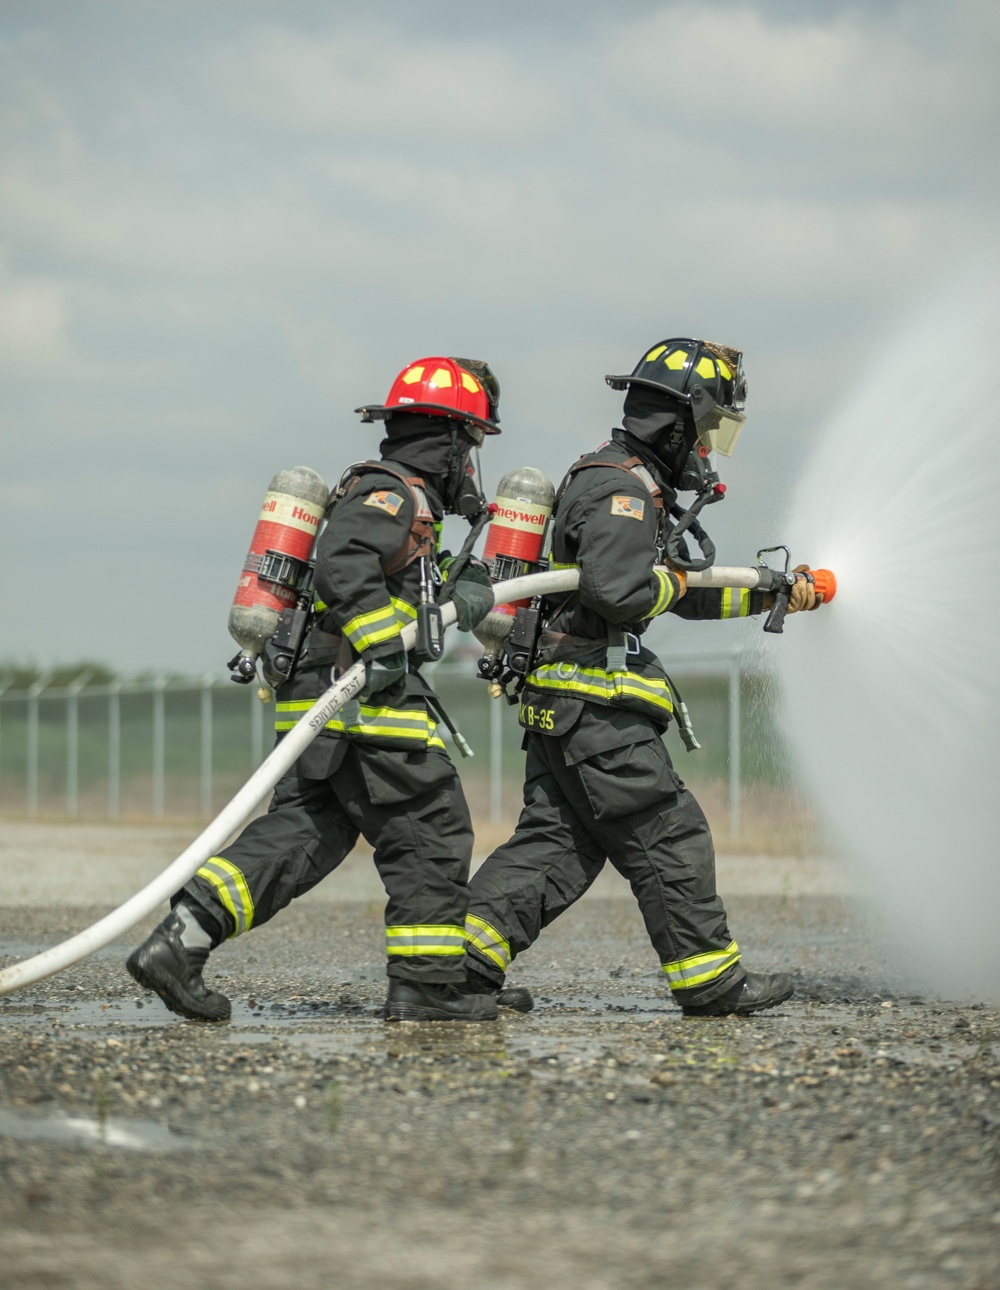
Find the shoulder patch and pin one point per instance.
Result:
(632, 506)
(384, 500)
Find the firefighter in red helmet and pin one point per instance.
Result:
(380, 767)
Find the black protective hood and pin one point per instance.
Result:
(436, 448)
(658, 424)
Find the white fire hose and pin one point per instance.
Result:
(262, 781)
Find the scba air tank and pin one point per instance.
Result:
(277, 564)
(514, 542)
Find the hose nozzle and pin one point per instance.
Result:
(825, 582)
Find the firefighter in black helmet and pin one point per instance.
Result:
(380, 767)
(599, 783)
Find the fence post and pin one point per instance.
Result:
(32, 777)
(256, 729)
(114, 750)
(159, 735)
(734, 745)
(73, 743)
(496, 759)
(3, 690)
(207, 681)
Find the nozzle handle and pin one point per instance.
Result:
(775, 620)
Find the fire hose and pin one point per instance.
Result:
(282, 757)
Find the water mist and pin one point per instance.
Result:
(890, 696)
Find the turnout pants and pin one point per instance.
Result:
(583, 807)
(408, 806)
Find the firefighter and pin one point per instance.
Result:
(380, 768)
(599, 783)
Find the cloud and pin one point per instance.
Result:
(873, 94)
(430, 94)
(33, 326)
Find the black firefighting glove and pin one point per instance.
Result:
(472, 594)
(382, 672)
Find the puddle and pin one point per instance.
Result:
(86, 1014)
(86, 1132)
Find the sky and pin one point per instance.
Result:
(223, 226)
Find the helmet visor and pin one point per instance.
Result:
(718, 428)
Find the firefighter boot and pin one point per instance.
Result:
(413, 1001)
(517, 997)
(173, 970)
(755, 992)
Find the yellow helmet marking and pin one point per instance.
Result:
(676, 359)
(413, 375)
(726, 373)
(441, 378)
(654, 354)
(706, 368)
(470, 383)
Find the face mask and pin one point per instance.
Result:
(466, 495)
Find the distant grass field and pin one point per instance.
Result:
(773, 815)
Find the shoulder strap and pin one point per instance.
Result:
(422, 537)
(631, 466)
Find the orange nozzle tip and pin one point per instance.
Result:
(825, 583)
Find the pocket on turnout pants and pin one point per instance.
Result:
(625, 780)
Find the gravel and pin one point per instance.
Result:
(848, 1138)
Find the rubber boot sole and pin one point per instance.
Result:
(151, 976)
(425, 1012)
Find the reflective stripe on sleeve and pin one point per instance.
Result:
(596, 683)
(735, 602)
(233, 891)
(372, 628)
(431, 939)
(488, 941)
(666, 594)
(686, 973)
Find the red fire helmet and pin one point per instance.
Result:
(443, 387)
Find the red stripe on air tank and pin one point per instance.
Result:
(281, 537)
(513, 542)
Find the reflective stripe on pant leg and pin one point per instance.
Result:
(701, 968)
(424, 939)
(488, 941)
(233, 891)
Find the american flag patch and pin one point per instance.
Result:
(628, 506)
(385, 501)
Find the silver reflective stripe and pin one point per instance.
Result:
(488, 941)
(425, 940)
(701, 968)
(233, 890)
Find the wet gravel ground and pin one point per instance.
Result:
(846, 1139)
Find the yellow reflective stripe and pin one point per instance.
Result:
(487, 940)
(406, 613)
(596, 683)
(233, 891)
(735, 602)
(700, 968)
(372, 628)
(384, 723)
(425, 939)
(666, 593)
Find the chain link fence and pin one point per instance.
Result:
(178, 748)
